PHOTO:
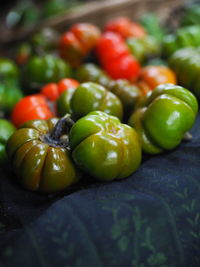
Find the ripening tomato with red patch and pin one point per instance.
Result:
(76, 43)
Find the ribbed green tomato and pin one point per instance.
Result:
(127, 92)
(162, 121)
(186, 64)
(89, 97)
(41, 70)
(40, 156)
(104, 147)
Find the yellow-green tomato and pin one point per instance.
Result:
(91, 96)
(40, 156)
(103, 147)
(168, 113)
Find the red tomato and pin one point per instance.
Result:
(67, 83)
(50, 90)
(30, 108)
(125, 28)
(125, 67)
(111, 46)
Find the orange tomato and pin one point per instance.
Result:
(151, 76)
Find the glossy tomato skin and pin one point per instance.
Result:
(126, 67)
(103, 147)
(41, 163)
(127, 92)
(30, 108)
(164, 117)
(89, 97)
(115, 57)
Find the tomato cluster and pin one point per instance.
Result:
(118, 103)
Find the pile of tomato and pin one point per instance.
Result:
(91, 101)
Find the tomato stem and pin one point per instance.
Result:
(62, 127)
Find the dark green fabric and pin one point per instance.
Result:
(149, 219)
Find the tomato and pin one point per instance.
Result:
(111, 46)
(52, 91)
(67, 83)
(76, 43)
(70, 49)
(152, 76)
(116, 58)
(30, 108)
(125, 27)
(126, 67)
(87, 34)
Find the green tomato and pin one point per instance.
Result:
(103, 147)
(6, 130)
(186, 64)
(41, 70)
(183, 37)
(123, 89)
(168, 113)
(10, 94)
(89, 97)
(8, 69)
(40, 156)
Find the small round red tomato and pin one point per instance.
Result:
(67, 83)
(50, 90)
(30, 108)
(152, 76)
(111, 46)
(125, 27)
(126, 67)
